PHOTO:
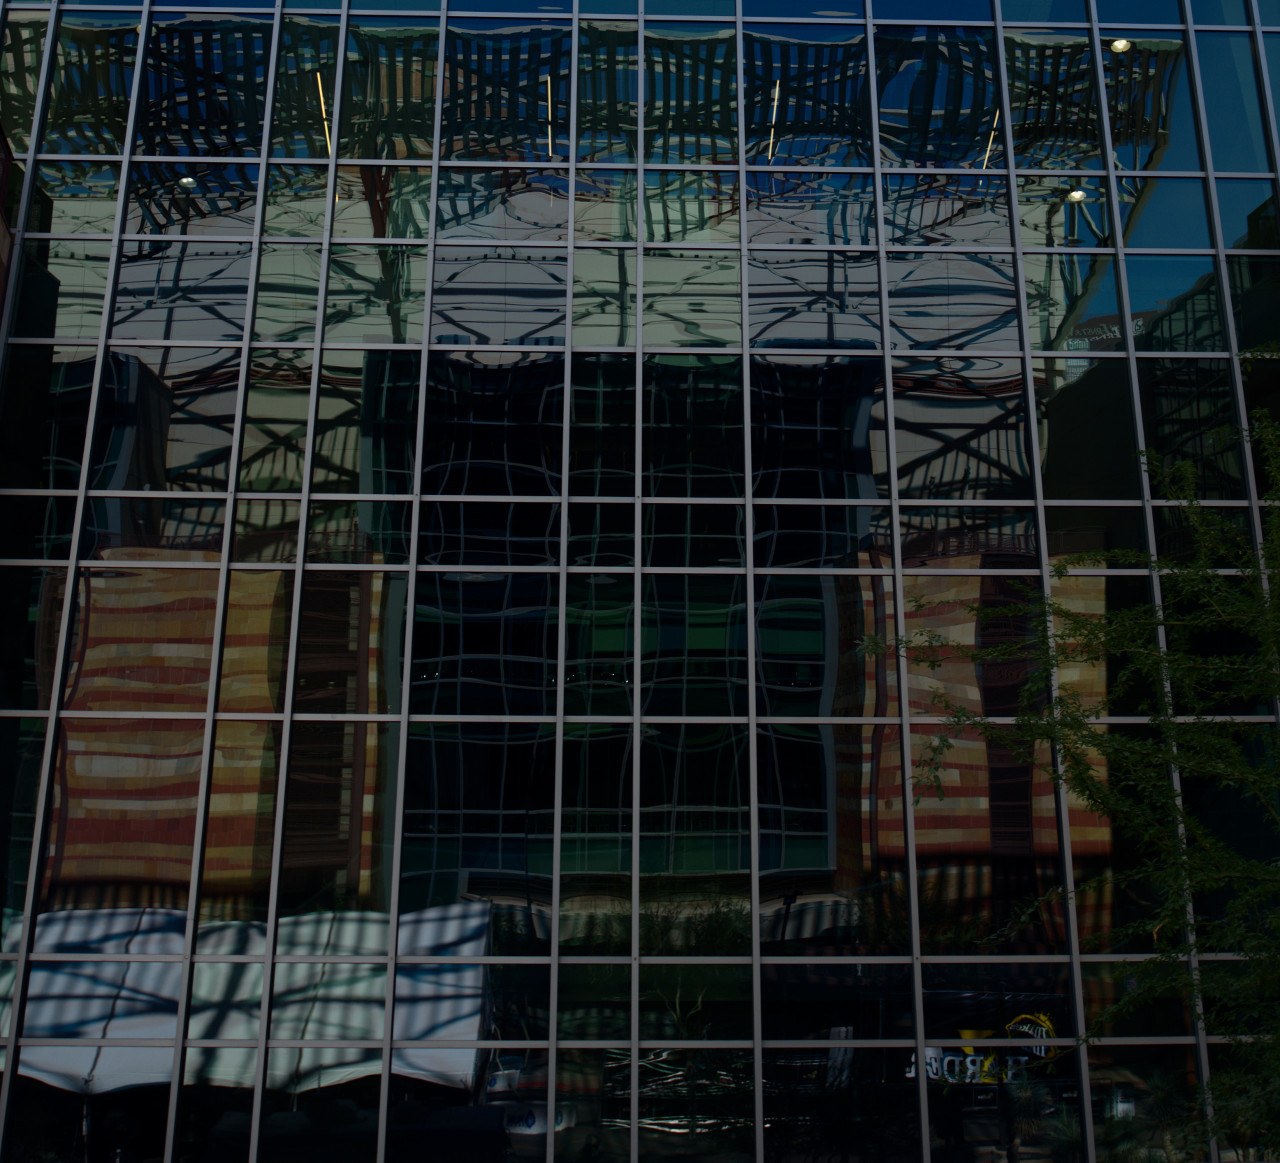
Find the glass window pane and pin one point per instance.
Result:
(302, 109)
(296, 200)
(277, 399)
(935, 210)
(226, 1000)
(495, 423)
(1163, 212)
(90, 84)
(489, 533)
(604, 206)
(504, 205)
(692, 408)
(1055, 211)
(1237, 132)
(165, 421)
(358, 532)
(163, 288)
(691, 93)
(1149, 95)
(215, 1104)
(608, 86)
(599, 644)
(1247, 210)
(602, 426)
(794, 536)
(845, 1001)
(235, 878)
(375, 294)
(937, 97)
(287, 293)
(827, 299)
(476, 871)
(1176, 303)
(685, 206)
(75, 198)
(24, 35)
(788, 208)
(695, 1001)
(498, 295)
(702, 1093)
(944, 299)
(1053, 98)
(256, 640)
(129, 526)
(373, 202)
(693, 649)
(44, 411)
(319, 1002)
(506, 90)
(484, 644)
(692, 298)
(61, 286)
(318, 1096)
(808, 99)
(389, 88)
(335, 859)
(204, 85)
(191, 198)
(1072, 302)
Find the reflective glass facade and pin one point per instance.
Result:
(457, 465)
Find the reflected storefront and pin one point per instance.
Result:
(467, 474)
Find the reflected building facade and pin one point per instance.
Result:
(465, 473)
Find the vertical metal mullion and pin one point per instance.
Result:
(52, 722)
(899, 612)
(286, 733)
(749, 600)
(1062, 802)
(562, 632)
(637, 578)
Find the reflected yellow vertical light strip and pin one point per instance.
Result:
(324, 115)
(550, 152)
(773, 116)
(986, 157)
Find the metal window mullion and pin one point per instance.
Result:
(749, 602)
(52, 722)
(1062, 801)
(638, 576)
(899, 657)
(411, 586)
(562, 606)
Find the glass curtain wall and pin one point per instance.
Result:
(464, 473)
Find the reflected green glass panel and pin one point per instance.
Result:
(389, 87)
(604, 206)
(599, 645)
(604, 297)
(168, 287)
(692, 298)
(503, 205)
(90, 84)
(74, 197)
(235, 878)
(695, 853)
(335, 861)
(226, 1000)
(302, 103)
(475, 877)
(784, 209)
(277, 401)
(693, 438)
(594, 1001)
(288, 289)
(601, 535)
(496, 295)
(61, 286)
(690, 96)
(807, 94)
(602, 425)
(682, 206)
(295, 201)
(695, 1001)
(608, 84)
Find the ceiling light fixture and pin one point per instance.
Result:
(1121, 45)
(1077, 196)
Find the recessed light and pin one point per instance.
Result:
(187, 183)
(1121, 45)
(1077, 196)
